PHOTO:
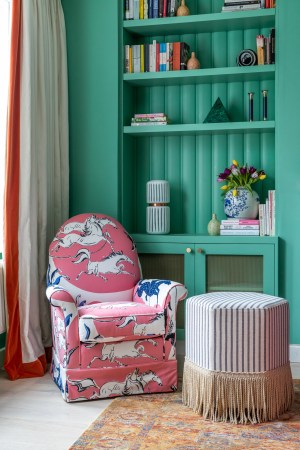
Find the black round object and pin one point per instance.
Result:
(246, 58)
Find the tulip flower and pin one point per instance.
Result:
(240, 177)
(262, 177)
(224, 188)
(235, 163)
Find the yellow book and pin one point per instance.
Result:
(142, 9)
(260, 49)
(142, 58)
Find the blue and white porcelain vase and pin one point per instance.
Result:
(242, 206)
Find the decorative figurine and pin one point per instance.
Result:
(193, 63)
(183, 10)
(251, 94)
(265, 104)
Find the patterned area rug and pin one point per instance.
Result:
(161, 421)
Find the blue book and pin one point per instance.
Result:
(155, 9)
(163, 57)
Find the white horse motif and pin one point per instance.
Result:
(91, 233)
(82, 385)
(125, 349)
(134, 383)
(110, 264)
(156, 326)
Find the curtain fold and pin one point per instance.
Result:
(37, 183)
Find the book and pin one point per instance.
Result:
(155, 9)
(150, 119)
(272, 45)
(143, 124)
(260, 49)
(127, 59)
(160, 8)
(240, 7)
(126, 10)
(149, 116)
(171, 56)
(176, 55)
(239, 227)
(136, 55)
(239, 232)
(163, 57)
(142, 9)
(184, 55)
(136, 9)
(241, 2)
(240, 222)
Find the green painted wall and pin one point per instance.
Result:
(93, 60)
(92, 35)
(288, 157)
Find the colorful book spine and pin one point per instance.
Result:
(260, 49)
(239, 232)
(160, 8)
(155, 9)
(162, 57)
(142, 51)
(240, 222)
(126, 9)
(136, 9)
(149, 116)
(142, 9)
(184, 55)
(239, 227)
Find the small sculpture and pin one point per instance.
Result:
(183, 10)
(193, 63)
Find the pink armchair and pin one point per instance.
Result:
(113, 333)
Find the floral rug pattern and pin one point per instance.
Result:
(161, 421)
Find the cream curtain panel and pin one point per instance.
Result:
(43, 180)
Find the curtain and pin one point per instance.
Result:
(36, 181)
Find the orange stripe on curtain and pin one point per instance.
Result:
(14, 365)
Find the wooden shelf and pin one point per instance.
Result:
(202, 23)
(201, 128)
(185, 77)
(202, 238)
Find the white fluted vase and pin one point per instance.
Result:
(158, 210)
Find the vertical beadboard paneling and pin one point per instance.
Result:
(191, 163)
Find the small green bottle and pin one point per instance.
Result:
(213, 226)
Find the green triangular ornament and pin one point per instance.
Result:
(217, 113)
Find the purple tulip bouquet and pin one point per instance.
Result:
(240, 177)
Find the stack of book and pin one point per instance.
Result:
(241, 5)
(150, 9)
(156, 57)
(266, 214)
(149, 119)
(239, 227)
(265, 46)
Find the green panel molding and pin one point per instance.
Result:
(93, 65)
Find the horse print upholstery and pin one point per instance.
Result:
(113, 332)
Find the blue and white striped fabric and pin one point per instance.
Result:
(237, 331)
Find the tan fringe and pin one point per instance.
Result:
(237, 397)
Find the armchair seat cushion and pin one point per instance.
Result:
(112, 321)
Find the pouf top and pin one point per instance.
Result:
(236, 300)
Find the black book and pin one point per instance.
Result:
(272, 45)
(160, 8)
(146, 58)
(184, 55)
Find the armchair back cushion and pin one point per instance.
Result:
(89, 245)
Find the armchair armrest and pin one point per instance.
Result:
(157, 293)
(66, 331)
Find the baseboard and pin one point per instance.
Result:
(2, 353)
(295, 353)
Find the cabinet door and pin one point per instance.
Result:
(170, 261)
(235, 267)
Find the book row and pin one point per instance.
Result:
(156, 57)
(239, 227)
(150, 9)
(267, 214)
(265, 46)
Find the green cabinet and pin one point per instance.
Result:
(209, 264)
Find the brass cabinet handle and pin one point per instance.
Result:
(188, 250)
(199, 250)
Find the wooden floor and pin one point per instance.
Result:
(34, 416)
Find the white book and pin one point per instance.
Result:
(261, 220)
(239, 232)
(240, 8)
(239, 227)
(126, 59)
(151, 58)
(145, 10)
(267, 217)
(136, 56)
(245, 2)
(136, 9)
(130, 9)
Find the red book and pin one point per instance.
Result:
(176, 56)
(165, 8)
(157, 56)
(267, 3)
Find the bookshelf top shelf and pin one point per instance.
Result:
(202, 23)
(201, 128)
(216, 75)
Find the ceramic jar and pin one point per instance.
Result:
(213, 226)
(193, 63)
(183, 10)
(242, 206)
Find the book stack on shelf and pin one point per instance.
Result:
(239, 227)
(150, 9)
(266, 214)
(265, 46)
(149, 119)
(246, 5)
(156, 57)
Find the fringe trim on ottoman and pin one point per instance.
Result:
(237, 397)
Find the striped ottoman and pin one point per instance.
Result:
(237, 357)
